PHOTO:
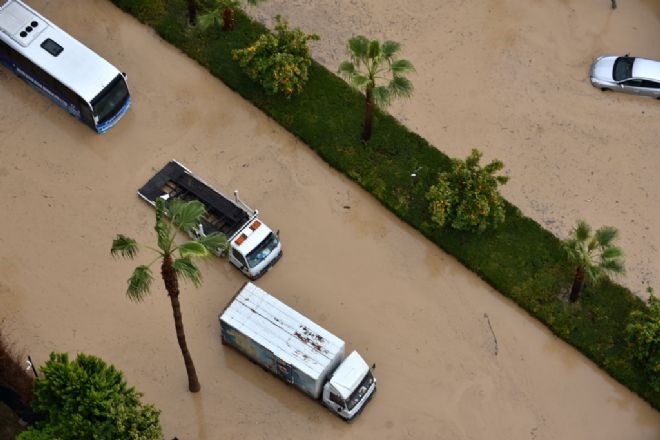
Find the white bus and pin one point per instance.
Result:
(62, 68)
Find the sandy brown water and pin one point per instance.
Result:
(454, 359)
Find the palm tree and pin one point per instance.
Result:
(185, 215)
(379, 61)
(192, 12)
(224, 9)
(594, 256)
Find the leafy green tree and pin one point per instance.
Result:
(593, 255)
(278, 61)
(88, 399)
(644, 336)
(467, 197)
(186, 216)
(372, 62)
(222, 10)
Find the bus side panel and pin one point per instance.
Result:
(20, 67)
(70, 107)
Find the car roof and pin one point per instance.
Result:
(644, 68)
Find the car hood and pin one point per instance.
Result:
(602, 68)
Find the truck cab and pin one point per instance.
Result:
(255, 249)
(350, 387)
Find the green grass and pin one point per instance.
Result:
(522, 260)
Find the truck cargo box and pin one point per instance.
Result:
(280, 339)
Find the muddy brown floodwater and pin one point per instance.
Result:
(454, 359)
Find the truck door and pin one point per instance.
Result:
(238, 259)
(285, 371)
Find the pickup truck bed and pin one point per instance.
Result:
(177, 181)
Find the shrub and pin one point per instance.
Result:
(466, 198)
(88, 399)
(279, 62)
(644, 336)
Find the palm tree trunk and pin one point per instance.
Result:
(172, 287)
(578, 282)
(368, 116)
(228, 19)
(192, 12)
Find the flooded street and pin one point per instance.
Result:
(453, 358)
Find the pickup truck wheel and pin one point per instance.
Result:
(604, 89)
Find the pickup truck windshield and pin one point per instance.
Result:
(361, 390)
(261, 252)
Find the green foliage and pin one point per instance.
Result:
(371, 62)
(520, 258)
(185, 216)
(88, 399)
(467, 197)
(215, 12)
(279, 62)
(644, 337)
(595, 253)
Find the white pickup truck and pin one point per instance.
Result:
(254, 247)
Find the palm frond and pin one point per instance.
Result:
(612, 253)
(139, 283)
(360, 81)
(193, 249)
(401, 87)
(164, 233)
(347, 69)
(209, 19)
(605, 235)
(186, 269)
(613, 267)
(399, 67)
(374, 50)
(582, 231)
(124, 246)
(390, 49)
(382, 96)
(215, 242)
(359, 48)
(186, 215)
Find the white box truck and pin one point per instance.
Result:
(297, 350)
(254, 247)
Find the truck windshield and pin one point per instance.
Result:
(361, 390)
(261, 252)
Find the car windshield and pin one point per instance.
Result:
(622, 68)
(262, 251)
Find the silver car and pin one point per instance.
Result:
(634, 75)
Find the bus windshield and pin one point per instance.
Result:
(107, 103)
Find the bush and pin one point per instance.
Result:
(88, 399)
(644, 337)
(279, 62)
(466, 198)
